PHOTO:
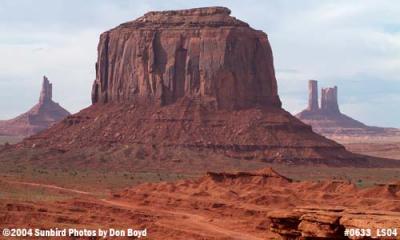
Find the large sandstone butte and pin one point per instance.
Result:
(329, 121)
(189, 89)
(41, 116)
(199, 53)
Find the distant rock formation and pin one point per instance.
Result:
(329, 101)
(328, 120)
(313, 96)
(191, 85)
(46, 94)
(40, 117)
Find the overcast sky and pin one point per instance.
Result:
(352, 44)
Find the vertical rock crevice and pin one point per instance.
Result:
(102, 75)
(180, 73)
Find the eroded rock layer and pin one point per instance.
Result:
(190, 131)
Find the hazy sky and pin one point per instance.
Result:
(352, 44)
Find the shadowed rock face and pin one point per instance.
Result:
(197, 53)
(39, 117)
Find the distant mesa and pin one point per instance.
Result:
(41, 116)
(328, 120)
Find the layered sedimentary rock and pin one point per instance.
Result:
(41, 116)
(191, 85)
(331, 223)
(329, 121)
(199, 53)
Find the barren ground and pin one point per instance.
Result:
(178, 205)
(9, 139)
(388, 147)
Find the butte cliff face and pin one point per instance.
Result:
(41, 116)
(188, 89)
(199, 53)
(328, 120)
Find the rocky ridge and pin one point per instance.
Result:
(269, 203)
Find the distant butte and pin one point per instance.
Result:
(329, 121)
(41, 116)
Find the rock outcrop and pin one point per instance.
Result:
(329, 121)
(266, 202)
(41, 116)
(192, 86)
(331, 223)
(198, 53)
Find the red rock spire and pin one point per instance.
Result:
(313, 95)
(47, 91)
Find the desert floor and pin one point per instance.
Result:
(187, 205)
